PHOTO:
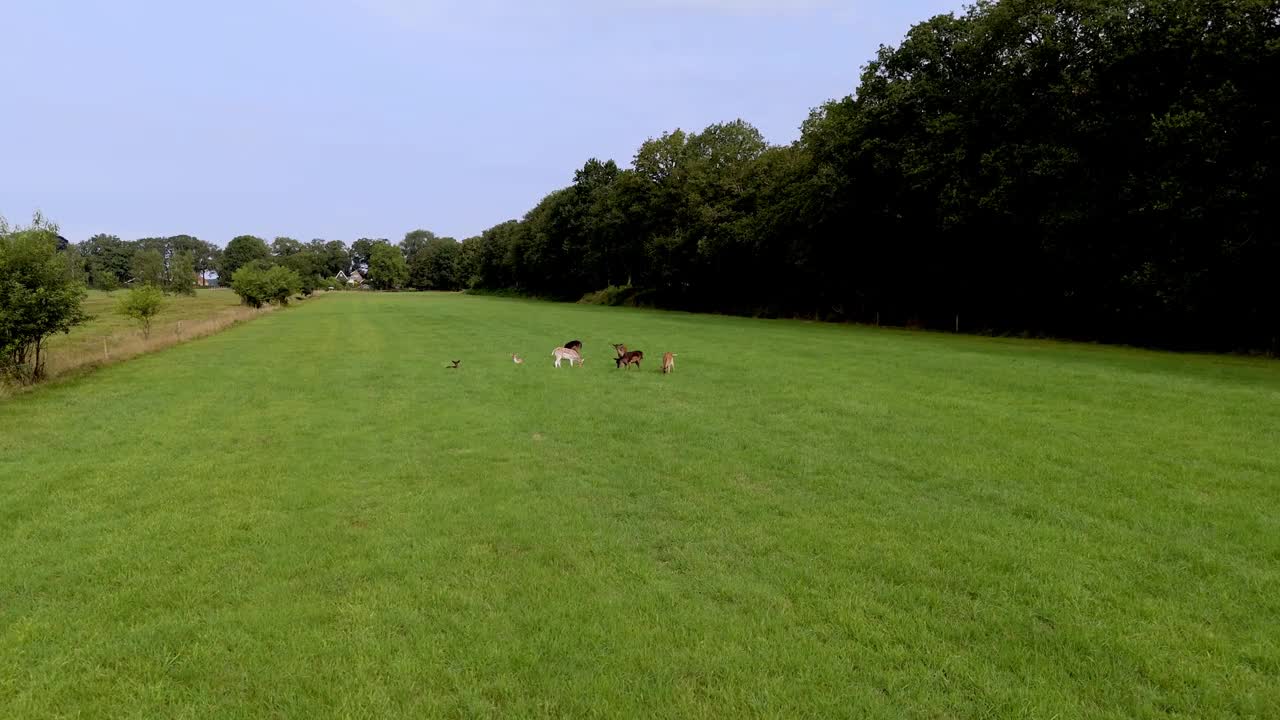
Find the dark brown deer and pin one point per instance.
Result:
(573, 345)
(622, 349)
(632, 357)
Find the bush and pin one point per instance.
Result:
(142, 304)
(259, 284)
(612, 295)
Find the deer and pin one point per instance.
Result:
(622, 349)
(454, 366)
(668, 362)
(632, 357)
(573, 345)
(572, 356)
(517, 359)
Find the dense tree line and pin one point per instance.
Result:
(1085, 168)
(421, 261)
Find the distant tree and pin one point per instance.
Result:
(333, 256)
(362, 252)
(141, 304)
(108, 259)
(208, 257)
(414, 242)
(435, 265)
(241, 251)
(260, 283)
(148, 268)
(387, 268)
(37, 296)
(182, 274)
(283, 247)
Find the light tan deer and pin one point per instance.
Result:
(566, 354)
(668, 363)
(517, 359)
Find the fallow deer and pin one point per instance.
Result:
(632, 357)
(668, 362)
(561, 353)
(517, 359)
(573, 345)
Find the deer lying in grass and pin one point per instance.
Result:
(630, 358)
(517, 359)
(668, 362)
(454, 366)
(572, 356)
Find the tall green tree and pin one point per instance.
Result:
(435, 265)
(241, 251)
(181, 275)
(148, 268)
(283, 247)
(37, 296)
(387, 268)
(108, 260)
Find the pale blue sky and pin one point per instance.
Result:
(348, 118)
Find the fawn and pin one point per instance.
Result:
(517, 359)
(668, 362)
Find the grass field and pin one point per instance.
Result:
(110, 337)
(309, 516)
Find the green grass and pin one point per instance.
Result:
(106, 322)
(309, 516)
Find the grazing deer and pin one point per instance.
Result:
(454, 366)
(517, 359)
(566, 354)
(630, 358)
(668, 362)
(573, 345)
(622, 349)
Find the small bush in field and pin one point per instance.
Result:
(141, 304)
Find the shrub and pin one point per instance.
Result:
(259, 284)
(612, 295)
(142, 304)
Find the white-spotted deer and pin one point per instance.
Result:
(566, 354)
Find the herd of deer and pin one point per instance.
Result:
(572, 352)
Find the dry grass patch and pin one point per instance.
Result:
(110, 338)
